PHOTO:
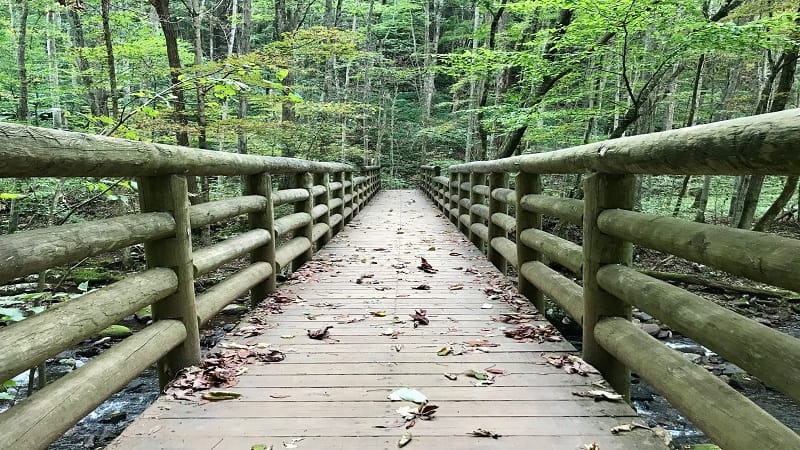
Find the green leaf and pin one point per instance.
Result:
(10, 196)
(215, 396)
(281, 74)
(294, 97)
(83, 287)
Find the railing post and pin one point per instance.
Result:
(325, 199)
(475, 199)
(170, 193)
(462, 178)
(497, 180)
(340, 177)
(305, 180)
(528, 183)
(349, 197)
(434, 186)
(604, 191)
(261, 184)
(453, 188)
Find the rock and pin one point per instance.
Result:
(144, 315)
(664, 334)
(763, 321)
(228, 327)
(729, 369)
(116, 416)
(116, 332)
(70, 362)
(641, 392)
(650, 328)
(742, 381)
(643, 316)
(235, 309)
(693, 357)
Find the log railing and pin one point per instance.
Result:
(768, 144)
(326, 196)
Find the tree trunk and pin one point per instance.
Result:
(112, 71)
(433, 16)
(22, 71)
(777, 206)
(244, 48)
(702, 200)
(681, 194)
(173, 57)
(694, 104)
(53, 22)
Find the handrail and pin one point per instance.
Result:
(325, 196)
(766, 144)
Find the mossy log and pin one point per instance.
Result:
(726, 416)
(30, 342)
(211, 302)
(318, 231)
(208, 213)
(506, 248)
(718, 285)
(563, 291)
(765, 144)
(209, 258)
(318, 211)
(504, 221)
(318, 190)
(335, 203)
(290, 222)
(291, 250)
(481, 211)
(33, 251)
(762, 257)
(46, 415)
(566, 209)
(562, 251)
(335, 186)
(768, 354)
(264, 220)
(481, 189)
(480, 230)
(335, 220)
(464, 219)
(289, 196)
(505, 195)
(41, 152)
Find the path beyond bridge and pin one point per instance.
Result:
(332, 394)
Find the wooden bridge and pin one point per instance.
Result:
(436, 326)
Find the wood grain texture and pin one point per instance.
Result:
(334, 393)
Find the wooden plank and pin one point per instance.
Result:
(334, 393)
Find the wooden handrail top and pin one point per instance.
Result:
(41, 152)
(765, 144)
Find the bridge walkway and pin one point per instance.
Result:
(332, 393)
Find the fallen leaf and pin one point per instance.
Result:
(496, 371)
(431, 249)
(451, 376)
(456, 287)
(397, 347)
(215, 396)
(322, 333)
(476, 375)
(571, 364)
(534, 333)
(378, 313)
(598, 395)
(287, 336)
(261, 447)
(486, 306)
(422, 287)
(480, 432)
(592, 446)
(483, 383)
(444, 351)
(409, 395)
(426, 267)
(420, 317)
(388, 332)
(481, 343)
(455, 254)
(279, 395)
(292, 443)
(628, 427)
(404, 440)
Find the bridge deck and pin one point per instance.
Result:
(333, 393)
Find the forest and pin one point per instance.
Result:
(404, 83)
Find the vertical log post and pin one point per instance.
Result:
(339, 176)
(452, 198)
(261, 184)
(170, 193)
(462, 178)
(325, 199)
(436, 193)
(604, 191)
(528, 183)
(348, 194)
(497, 180)
(304, 180)
(475, 199)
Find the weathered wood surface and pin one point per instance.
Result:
(333, 393)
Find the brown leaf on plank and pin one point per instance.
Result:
(481, 343)
(319, 334)
(571, 364)
(419, 317)
(480, 432)
(422, 287)
(426, 267)
(534, 333)
(628, 427)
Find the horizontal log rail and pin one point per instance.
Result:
(479, 200)
(326, 196)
